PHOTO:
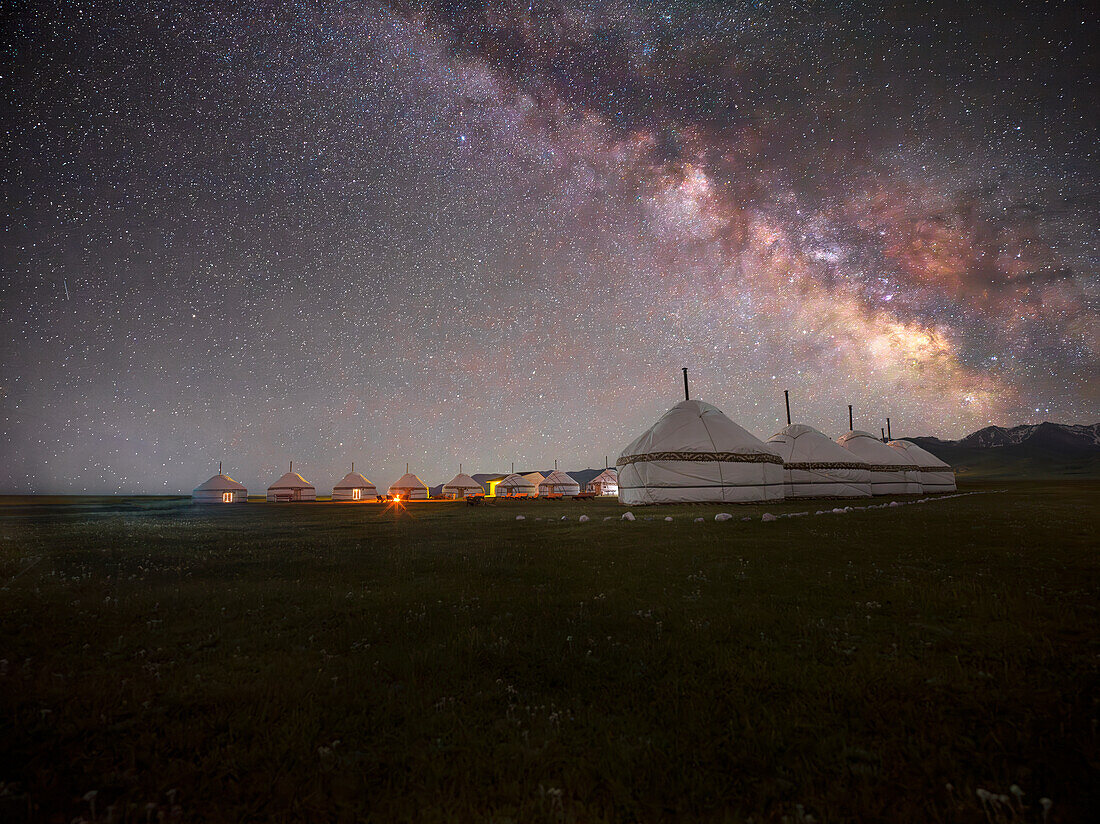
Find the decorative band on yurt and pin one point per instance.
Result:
(893, 467)
(827, 465)
(701, 457)
(755, 484)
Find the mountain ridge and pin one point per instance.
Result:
(1042, 450)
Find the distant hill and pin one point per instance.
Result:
(1044, 450)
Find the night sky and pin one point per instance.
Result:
(481, 233)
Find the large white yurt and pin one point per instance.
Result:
(291, 487)
(221, 489)
(814, 466)
(891, 472)
(935, 475)
(606, 483)
(354, 487)
(516, 485)
(409, 488)
(558, 483)
(693, 454)
(462, 486)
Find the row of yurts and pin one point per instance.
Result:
(693, 454)
(355, 487)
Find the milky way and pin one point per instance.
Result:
(493, 233)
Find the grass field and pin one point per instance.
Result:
(328, 662)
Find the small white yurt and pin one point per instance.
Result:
(695, 454)
(409, 488)
(814, 466)
(516, 485)
(462, 486)
(558, 483)
(935, 475)
(606, 483)
(891, 472)
(354, 487)
(221, 489)
(291, 487)
(534, 478)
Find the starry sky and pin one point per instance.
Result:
(485, 232)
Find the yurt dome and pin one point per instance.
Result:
(462, 486)
(816, 467)
(410, 488)
(892, 473)
(558, 483)
(516, 485)
(291, 487)
(221, 489)
(935, 475)
(606, 483)
(354, 487)
(693, 454)
(534, 478)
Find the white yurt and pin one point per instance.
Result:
(516, 485)
(606, 483)
(354, 487)
(409, 488)
(462, 486)
(558, 483)
(814, 466)
(891, 472)
(935, 475)
(221, 489)
(291, 487)
(695, 454)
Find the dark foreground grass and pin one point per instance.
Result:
(337, 663)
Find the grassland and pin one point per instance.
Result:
(325, 662)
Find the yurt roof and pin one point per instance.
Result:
(534, 477)
(291, 480)
(873, 450)
(918, 455)
(607, 476)
(408, 481)
(513, 481)
(801, 444)
(353, 480)
(557, 478)
(463, 481)
(220, 483)
(695, 427)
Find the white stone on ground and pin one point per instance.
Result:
(699, 520)
(628, 516)
(767, 516)
(722, 516)
(669, 518)
(521, 518)
(583, 519)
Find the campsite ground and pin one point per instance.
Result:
(324, 662)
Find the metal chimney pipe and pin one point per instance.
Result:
(687, 395)
(888, 435)
(850, 427)
(787, 400)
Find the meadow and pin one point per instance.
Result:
(163, 661)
